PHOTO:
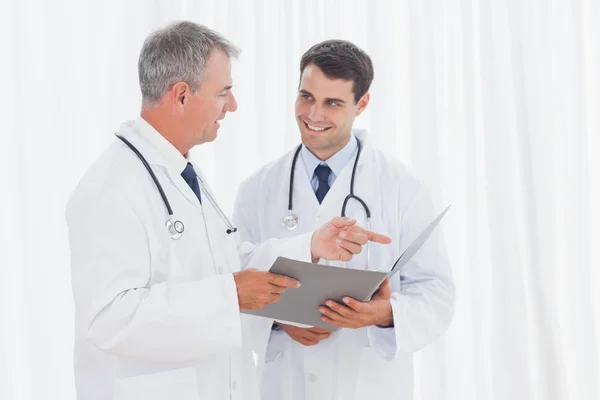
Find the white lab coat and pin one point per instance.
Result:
(158, 318)
(371, 362)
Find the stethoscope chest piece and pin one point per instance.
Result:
(175, 228)
(290, 221)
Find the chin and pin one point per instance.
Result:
(315, 140)
(211, 136)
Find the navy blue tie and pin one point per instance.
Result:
(322, 173)
(189, 175)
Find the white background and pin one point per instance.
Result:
(494, 103)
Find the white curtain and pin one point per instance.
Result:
(494, 103)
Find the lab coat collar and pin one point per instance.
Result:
(339, 160)
(363, 138)
(336, 162)
(155, 157)
(302, 185)
(164, 147)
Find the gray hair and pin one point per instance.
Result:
(177, 53)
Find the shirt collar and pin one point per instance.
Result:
(336, 162)
(162, 145)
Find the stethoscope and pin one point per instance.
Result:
(174, 226)
(290, 221)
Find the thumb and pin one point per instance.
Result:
(385, 288)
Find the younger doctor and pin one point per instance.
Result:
(371, 356)
(158, 297)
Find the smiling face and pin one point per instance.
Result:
(325, 111)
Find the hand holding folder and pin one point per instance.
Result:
(357, 314)
(320, 283)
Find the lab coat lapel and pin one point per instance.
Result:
(155, 159)
(341, 187)
(183, 187)
(223, 244)
(338, 191)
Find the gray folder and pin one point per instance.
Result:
(320, 283)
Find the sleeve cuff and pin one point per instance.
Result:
(383, 342)
(383, 339)
(298, 248)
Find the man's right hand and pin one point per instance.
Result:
(306, 336)
(257, 289)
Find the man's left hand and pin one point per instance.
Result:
(356, 314)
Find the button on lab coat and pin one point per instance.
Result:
(370, 362)
(158, 318)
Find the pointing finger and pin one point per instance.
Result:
(360, 235)
(377, 237)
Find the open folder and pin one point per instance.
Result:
(320, 283)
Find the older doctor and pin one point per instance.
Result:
(371, 356)
(158, 307)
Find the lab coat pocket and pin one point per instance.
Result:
(178, 384)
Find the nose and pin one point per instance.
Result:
(231, 103)
(316, 113)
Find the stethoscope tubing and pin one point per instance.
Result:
(348, 197)
(173, 222)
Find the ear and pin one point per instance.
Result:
(179, 94)
(362, 104)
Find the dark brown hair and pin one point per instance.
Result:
(340, 59)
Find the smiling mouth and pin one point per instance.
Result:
(316, 128)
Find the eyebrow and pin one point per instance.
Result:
(226, 88)
(302, 91)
